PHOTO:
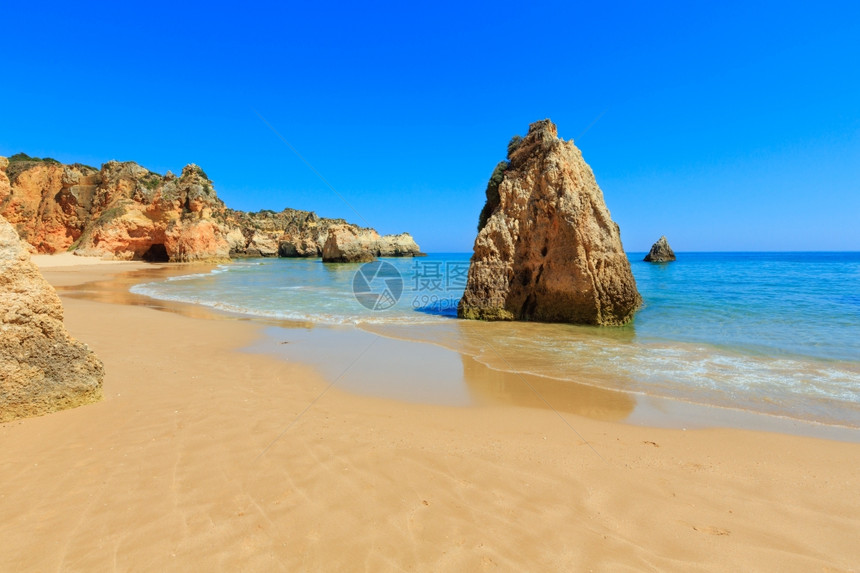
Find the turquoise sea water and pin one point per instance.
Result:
(770, 332)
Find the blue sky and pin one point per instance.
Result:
(729, 127)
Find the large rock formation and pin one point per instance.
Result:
(124, 211)
(142, 215)
(345, 244)
(46, 202)
(351, 244)
(289, 233)
(121, 211)
(293, 233)
(42, 368)
(402, 245)
(547, 248)
(660, 252)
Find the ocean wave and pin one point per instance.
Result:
(154, 291)
(714, 331)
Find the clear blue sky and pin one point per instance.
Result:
(729, 127)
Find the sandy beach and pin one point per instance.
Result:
(205, 457)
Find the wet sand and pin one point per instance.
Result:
(205, 455)
(390, 366)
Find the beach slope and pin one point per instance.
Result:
(204, 457)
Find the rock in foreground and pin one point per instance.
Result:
(660, 252)
(547, 249)
(42, 368)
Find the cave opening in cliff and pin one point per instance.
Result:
(157, 253)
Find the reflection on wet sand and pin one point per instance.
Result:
(115, 288)
(501, 387)
(507, 379)
(367, 363)
(364, 363)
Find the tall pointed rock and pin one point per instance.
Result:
(547, 249)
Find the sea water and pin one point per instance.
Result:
(777, 333)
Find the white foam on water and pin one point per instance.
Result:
(645, 359)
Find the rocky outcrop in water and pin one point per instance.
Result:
(124, 211)
(547, 248)
(42, 368)
(402, 245)
(350, 244)
(346, 244)
(660, 252)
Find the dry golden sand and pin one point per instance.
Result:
(167, 474)
(64, 260)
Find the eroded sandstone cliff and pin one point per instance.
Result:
(345, 244)
(547, 248)
(47, 202)
(125, 211)
(142, 215)
(42, 368)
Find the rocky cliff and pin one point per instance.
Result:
(125, 211)
(293, 233)
(141, 215)
(42, 368)
(660, 252)
(349, 244)
(45, 201)
(547, 248)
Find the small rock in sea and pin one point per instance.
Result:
(660, 252)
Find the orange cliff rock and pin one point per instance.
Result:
(143, 215)
(46, 202)
(5, 187)
(124, 211)
(346, 244)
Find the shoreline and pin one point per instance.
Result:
(475, 384)
(648, 409)
(660, 411)
(205, 455)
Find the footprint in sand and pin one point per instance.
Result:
(712, 530)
